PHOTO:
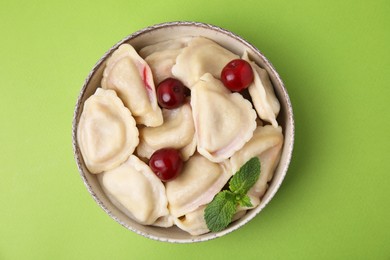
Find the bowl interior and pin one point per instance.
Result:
(235, 44)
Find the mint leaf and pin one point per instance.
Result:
(246, 177)
(245, 201)
(219, 213)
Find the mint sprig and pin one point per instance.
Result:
(219, 212)
(246, 177)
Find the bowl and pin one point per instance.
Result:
(233, 43)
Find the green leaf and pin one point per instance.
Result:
(219, 213)
(246, 177)
(245, 201)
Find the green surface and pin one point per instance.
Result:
(334, 59)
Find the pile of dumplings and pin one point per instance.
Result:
(216, 131)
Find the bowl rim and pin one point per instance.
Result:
(289, 123)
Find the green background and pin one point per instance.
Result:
(334, 59)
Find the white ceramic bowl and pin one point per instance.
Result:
(235, 44)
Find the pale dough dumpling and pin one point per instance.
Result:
(193, 222)
(161, 64)
(106, 133)
(171, 44)
(262, 94)
(199, 57)
(224, 121)
(177, 132)
(198, 183)
(136, 191)
(162, 56)
(130, 76)
(188, 150)
(164, 221)
(266, 144)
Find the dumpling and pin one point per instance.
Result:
(130, 76)
(224, 121)
(199, 57)
(106, 133)
(193, 222)
(266, 144)
(177, 131)
(262, 94)
(188, 150)
(161, 64)
(164, 221)
(172, 44)
(146, 151)
(162, 56)
(198, 183)
(136, 191)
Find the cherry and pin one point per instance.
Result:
(237, 75)
(171, 93)
(166, 163)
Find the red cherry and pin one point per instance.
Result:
(237, 75)
(166, 163)
(171, 93)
